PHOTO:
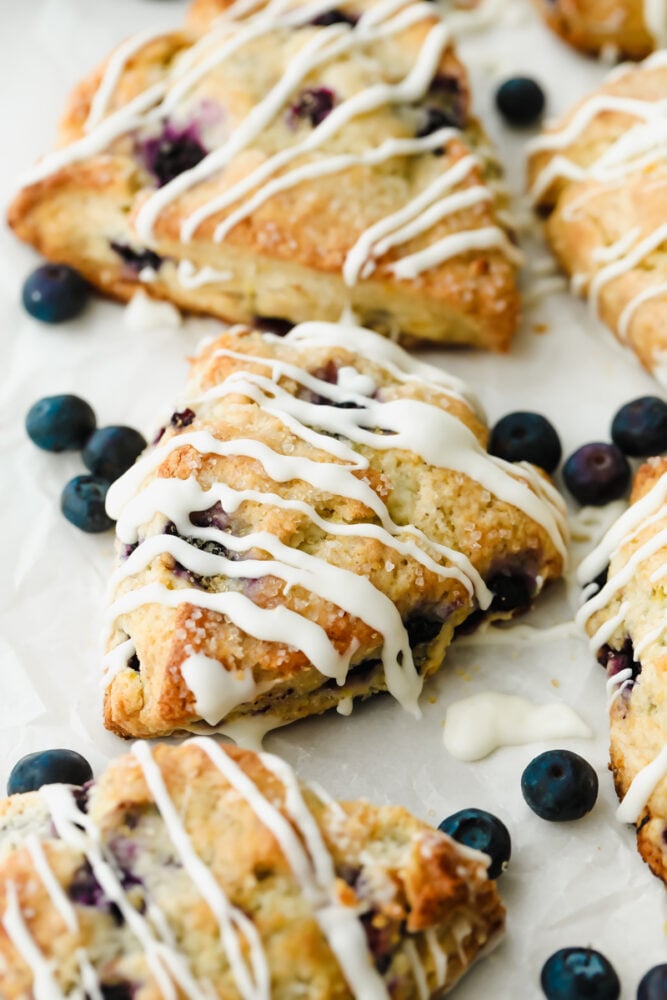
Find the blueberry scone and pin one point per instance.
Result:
(632, 28)
(204, 872)
(317, 518)
(626, 617)
(284, 160)
(599, 175)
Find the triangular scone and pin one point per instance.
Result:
(632, 28)
(627, 620)
(315, 521)
(205, 872)
(600, 176)
(285, 164)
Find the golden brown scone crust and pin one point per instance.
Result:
(638, 716)
(403, 879)
(595, 25)
(149, 697)
(588, 214)
(285, 259)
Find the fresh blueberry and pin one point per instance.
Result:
(597, 473)
(526, 437)
(60, 423)
(654, 984)
(82, 503)
(520, 101)
(313, 104)
(54, 293)
(110, 451)
(47, 767)
(640, 427)
(484, 832)
(579, 974)
(559, 785)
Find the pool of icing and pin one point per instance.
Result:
(573, 884)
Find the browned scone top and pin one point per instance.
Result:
(312, 525)
(593, 26)
(208, 871)
(635, 597)
(599, 176)
(236, 109)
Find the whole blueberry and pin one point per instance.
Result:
(526, 437)
(47, 767)
(110, 451)
(579, 974)
(559, 785)
(60, 423)
(484, 832)
(640, 427)
(54, 293)
(653, 985)
(520, 101)
(597, 473)
(82, 503)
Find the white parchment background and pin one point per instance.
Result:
(571, 884)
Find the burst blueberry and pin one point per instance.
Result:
(579, 974)
(526, 437)
(640, 427)
(173, 152)
(83, 504)
(312, 104)
(484, 832)
(597, 473)
(47, 767)
(60, 423)
(110, 451)
(55, 293)
(653, 985)
(333, 16)
(559, 786)
(520, 101)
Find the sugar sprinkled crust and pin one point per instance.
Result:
(258, 164)
(314, 523)
(632, 28)
(206, 871)
(600, 176)
(627, 620)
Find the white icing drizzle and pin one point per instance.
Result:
(628, 314)
(44, 985)
(345, 706)
(617, 684)
(439, 956)
(486, 238)
(217, 691)
(418, 971)
(254, 982)
(603, 255)
(640, 791)
(117, 658)
(51, 884)
(476, 726)
(638, 253)
(655, 18)
(112, 75)
(191, 277)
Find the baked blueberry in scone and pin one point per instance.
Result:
(632, 28)
(599, 175)
(285, 160)
(204, 872)
(316, 520)
(626, 617)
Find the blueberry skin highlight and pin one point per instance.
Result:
(110, 451)
(46, 767)
(597, 473)
(559, 786)
(60, 423)
(484, 832)
(526, 437)
(653, 985)
(521, 101)
(639, 428)
(83, 504)
(55, 293)
(579, 974)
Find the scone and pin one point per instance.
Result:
(626, 617)
(599, 175)
(317, 518)
(286, 161)
(632, 28)
(206, 872)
